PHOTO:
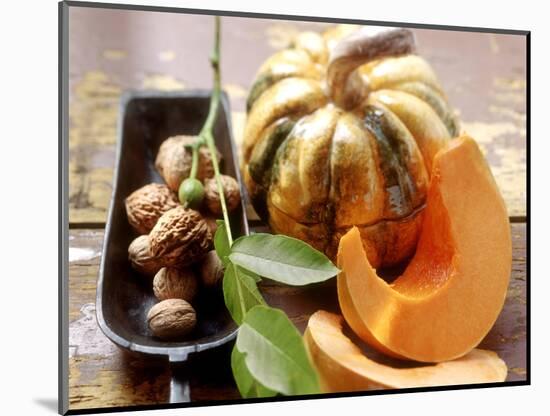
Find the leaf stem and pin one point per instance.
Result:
(206, 134)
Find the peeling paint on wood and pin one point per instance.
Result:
(514, 84)
(80, 254)
(90, 193)
(93, 116)
(93, 110)
(508, 162)
(114, 54)
(86, 338)
(118, 380)
(162, 82)
(167, 56)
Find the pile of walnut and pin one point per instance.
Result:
(175, 245)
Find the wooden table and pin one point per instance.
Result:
(112, 51)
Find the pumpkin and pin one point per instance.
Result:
(343, 367)
(453, 289)
(341, 132)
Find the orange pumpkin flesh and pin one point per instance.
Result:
(343, 367)
(453, 289)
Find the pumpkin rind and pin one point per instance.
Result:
(312, 167)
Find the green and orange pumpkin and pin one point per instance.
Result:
(341, 131)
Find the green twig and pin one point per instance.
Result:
(206, 134)
(195, 161)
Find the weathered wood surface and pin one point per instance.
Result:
(112, 51)
(101, 375)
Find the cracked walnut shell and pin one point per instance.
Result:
(174, 161)
(145, 206)
(231, 193)
(181, 236)
(175, 283)
(171, 318)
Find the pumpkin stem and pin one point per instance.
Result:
(346, 87)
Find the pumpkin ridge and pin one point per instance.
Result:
(262, 83)
(328, 215)
(291, 56)
(301, 102)
(267, 80)
(398, 181)
(422, 122)
(434, 99)
(313, 44)
(260, 166)
(317, 208)
(263, 154)
(389, 72)
(289, 63)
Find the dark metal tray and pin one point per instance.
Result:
(123, 296)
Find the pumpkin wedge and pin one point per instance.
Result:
(342, 366)
(453, 289)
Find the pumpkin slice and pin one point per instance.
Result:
(343, 367)
(453, 289)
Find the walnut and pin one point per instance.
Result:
(231, 192)
(141, 258)
(174, 161)
(211, 222)
(175, 283)
(145, 206)
(181, 236)
(211, 270)
(171, 318)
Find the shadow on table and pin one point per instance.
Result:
(47, 403)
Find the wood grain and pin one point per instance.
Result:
(483, 74)
(101, 375)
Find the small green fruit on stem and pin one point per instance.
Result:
(191, 193)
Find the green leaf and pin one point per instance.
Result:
(248, 386)
(253, 275)
(275, 353)
(221, 242)
(240, 292)
(281, 258)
